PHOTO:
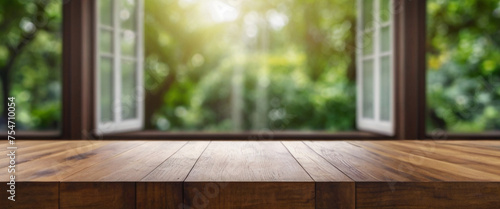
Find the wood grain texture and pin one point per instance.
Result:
(479, 164)
(132, 165)
(31, 195)
(32, 150)
(97, 195)
(360, 164)
(423, 195)
(257, 174)
(177, 167)
(316, 166)
(390, 161)
(335, 195)
(249, 195)
(29, 150)
(59, 166)
(431, 165)
(159, 195)
(247, 161)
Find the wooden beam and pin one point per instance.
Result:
(410, 65)
(421, 195)
(251, 195)
(77, 106)
(31, 195)
(97, 195)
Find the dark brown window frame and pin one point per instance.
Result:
(410, 86)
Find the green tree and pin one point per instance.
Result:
(463, 77)
(30, 61)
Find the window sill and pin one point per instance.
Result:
(37, 135)
(281, 135)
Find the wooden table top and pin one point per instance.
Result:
(255, 161)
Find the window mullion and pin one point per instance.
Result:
(139, 89)
(376, 61)
(392, 71)
(117, 63)
(359, 59)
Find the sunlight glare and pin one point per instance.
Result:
(222, 12)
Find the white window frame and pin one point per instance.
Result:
(118, 124)
(374, 124)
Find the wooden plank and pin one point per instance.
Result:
(430, 168)
(479, 159)
(480, 144)
(248, 174)
(335, 195)
(247, 161)
(334, 190)
(31, 195)
(316, 166)
(383, 161)
(423, 195)
(132, 165)
(97, 195)
(29, 150)
(360, 164)
(162, 188)
(249, 195)
(159, 195)
(177, 167)
(59, 166)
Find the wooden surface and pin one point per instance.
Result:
(159, 195)
(31, 195)
(247, 161)
(258, 195)
(422, 195)
(97, 195)
(177, 167)
(255, 174)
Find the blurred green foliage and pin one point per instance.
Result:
(463, 76)
(303, 70)
(30, 61)
(250, 65)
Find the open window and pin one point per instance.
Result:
(119, 66)
(375, 109)
(193, 85)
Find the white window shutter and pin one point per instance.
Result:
(119, 94)
(375, 71)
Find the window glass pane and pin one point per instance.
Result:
(463, 68)
(106, 99)
(385, 10)
(106, 12)
(33, 73)
(368, 13)
(128, 14)
(385, 39)
(106, 41)
(385, 88)
(368, 89)
(128, 43)
(368, 43)
(129, 84)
